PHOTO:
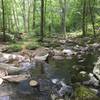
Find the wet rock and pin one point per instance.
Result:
(57, 52)
(3, 73)
(33, 83)
(58, 57)
(96, 69)
(41, 58)
(1, 81)
(2, 60)
(68, 52)
(95, 45)
(11, 69)
(63, 88)
(92, 81)
(16, 78)
(96, 91)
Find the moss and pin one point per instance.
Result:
(84, 93)
(13, 48)
(32, 46)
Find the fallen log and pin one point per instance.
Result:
(11, 69)
(16, 78)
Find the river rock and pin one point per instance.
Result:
(41, 58)
(16, 78)
(96, 69)
(3, 73)
(58, 57)
(57, 52)
(11, 69)
(69, 52)
(10, 57)
(92, 81)
(1, 81)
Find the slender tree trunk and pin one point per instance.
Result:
(14, 15)
(42, 20)
(63, 16)
(24, 16)
(34, 9)
(3, 18)
(92, 16)
(9, 24)
(29, 7)
(51, 19)
(17, 18)
(84, 17)
(45, 15)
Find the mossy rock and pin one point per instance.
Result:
(84, 93)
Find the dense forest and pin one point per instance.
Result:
(49, 49)
(49, 17)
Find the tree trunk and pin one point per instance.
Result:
(15, 20)
(29, 5)
(24, 16)
(92, 17)
(42, 20)
(84, 17)
(34, 9)
(3, 18)
(63, 16)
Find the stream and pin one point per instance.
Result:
(61, 69)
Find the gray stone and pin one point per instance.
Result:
(96, 69)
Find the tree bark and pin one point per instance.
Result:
(3, 18)
(63, 16)
(24, 16)
(29, 7)
(42, 21)
(84, 17)
(34, 9)
(92, 16)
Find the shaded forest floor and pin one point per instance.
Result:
(57, 42)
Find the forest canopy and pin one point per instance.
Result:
(46, 17)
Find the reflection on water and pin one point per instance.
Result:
(55, 69)
(4, 98)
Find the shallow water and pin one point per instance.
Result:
(55, 69)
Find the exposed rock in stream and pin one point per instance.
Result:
(96, 69)
(16, 78)
(1, 81)
(11, 69)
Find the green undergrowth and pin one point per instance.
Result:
(13, 48)
(84, 93)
